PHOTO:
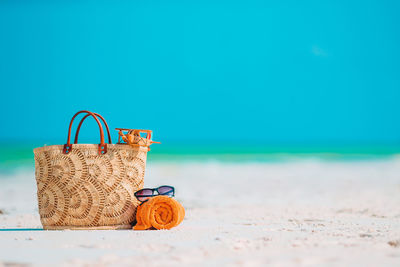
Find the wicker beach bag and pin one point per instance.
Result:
(89, 186)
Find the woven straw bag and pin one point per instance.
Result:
(89, 186)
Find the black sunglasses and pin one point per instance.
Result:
(145, 193)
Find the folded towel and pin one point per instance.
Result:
(160, 212)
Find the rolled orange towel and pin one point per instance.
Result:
(160, 212)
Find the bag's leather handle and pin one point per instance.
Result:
(83, 119)
(102, 146)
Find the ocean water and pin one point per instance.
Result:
(21, 156)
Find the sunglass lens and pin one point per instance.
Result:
(166, 190)
(144, 194)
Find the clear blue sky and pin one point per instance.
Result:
(296, 72)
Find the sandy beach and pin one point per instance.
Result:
(277, 123)
(293, 213)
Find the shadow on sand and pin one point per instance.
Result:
(20, 229)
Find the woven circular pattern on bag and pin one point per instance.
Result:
(83, 189)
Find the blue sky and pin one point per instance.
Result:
(309, 72)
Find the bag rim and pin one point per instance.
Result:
(89, 146)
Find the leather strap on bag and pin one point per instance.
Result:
(102, 146)
(83, 119)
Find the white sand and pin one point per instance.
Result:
(301, 213)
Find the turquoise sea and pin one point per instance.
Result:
(21, 155)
